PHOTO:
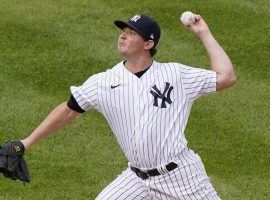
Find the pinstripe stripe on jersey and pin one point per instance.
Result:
(198, 81)
(149, 136)
(86, 95)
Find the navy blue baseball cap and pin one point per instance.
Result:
(147, 27)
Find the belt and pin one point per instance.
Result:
(152, 172)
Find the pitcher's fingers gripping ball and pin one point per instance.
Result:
(187, 18)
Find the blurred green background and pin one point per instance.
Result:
(46, 46)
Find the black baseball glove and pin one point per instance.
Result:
(12, 163)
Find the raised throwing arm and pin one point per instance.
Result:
(220, 61)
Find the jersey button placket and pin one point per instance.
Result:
(142, 119)
(136, 89)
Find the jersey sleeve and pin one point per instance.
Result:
(198, 82)
(86, 95)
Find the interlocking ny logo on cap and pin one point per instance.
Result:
(135, 18)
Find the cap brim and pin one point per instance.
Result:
(122, 25)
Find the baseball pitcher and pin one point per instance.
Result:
(147, 104)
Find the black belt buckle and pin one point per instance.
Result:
(153, 172)
(141, 174)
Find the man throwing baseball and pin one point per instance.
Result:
(147, 105)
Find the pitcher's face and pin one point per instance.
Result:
(130, 43)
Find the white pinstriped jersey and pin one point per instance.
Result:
(148, 115)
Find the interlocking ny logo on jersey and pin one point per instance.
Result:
(135, 18)
(165, 96)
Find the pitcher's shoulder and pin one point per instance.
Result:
(170, 65)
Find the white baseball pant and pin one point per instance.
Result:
(188, 182)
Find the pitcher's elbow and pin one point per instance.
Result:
(224, 82)
(232, 80)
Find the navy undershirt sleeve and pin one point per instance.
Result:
(72, 104)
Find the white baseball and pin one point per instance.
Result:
(187, 18)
